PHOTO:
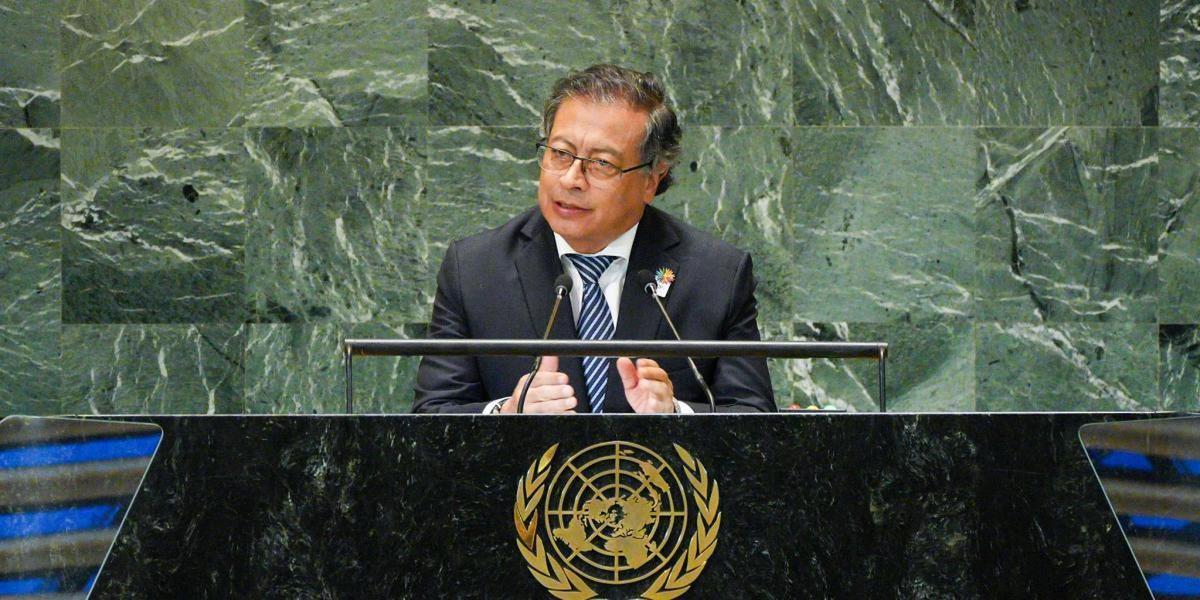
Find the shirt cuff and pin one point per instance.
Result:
(493, 407)
(681, 408)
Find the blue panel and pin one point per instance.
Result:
(48, 522)
(1175, 585)
(60, 454)
(1120, 459)
(1187, 467)
(1158, 522)
(12, 587)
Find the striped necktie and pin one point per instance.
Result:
(595, 323)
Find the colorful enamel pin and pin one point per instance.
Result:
(663, 278)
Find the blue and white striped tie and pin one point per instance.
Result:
(595, 323)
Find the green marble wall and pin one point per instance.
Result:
(199, 198)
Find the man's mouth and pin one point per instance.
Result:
(570, 208)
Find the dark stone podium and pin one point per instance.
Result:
(811, 505)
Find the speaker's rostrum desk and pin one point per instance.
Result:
(724, 506)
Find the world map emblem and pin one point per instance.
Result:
(616, 519)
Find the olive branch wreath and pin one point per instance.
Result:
(566, 584)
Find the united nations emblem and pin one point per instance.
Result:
(615, 515)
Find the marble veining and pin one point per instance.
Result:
(328, 63)
(151, 63)
(153, 226)
(29, 58)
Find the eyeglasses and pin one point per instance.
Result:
(554, 160)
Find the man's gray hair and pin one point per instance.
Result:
(610, 83)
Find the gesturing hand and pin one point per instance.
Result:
(550, 391)
(648, 389)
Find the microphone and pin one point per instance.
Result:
(562, 287)
(647, 281)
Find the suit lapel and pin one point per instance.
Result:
(640, 318)
(537, 266)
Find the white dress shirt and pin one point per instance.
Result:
(611, 282)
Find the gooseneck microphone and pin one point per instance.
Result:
(647, 281)
(562, 287)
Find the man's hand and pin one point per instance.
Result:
(549, 392)
(647, 387)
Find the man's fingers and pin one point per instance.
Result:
(552, 406)
(548, 378)
(656, 373)
(549, 363)
(628, 373)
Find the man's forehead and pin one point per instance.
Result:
(615, 126)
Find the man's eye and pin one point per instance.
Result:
(603, 164)
(560, 154)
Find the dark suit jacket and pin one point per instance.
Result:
(499, 285)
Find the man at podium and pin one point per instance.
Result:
(610, 141)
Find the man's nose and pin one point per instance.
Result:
(573, 177)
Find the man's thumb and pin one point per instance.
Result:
(628, 372)
(549, 363)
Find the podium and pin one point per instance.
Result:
(704, 506)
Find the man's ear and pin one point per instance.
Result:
(658, 172)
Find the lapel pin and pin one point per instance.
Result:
(663, 278)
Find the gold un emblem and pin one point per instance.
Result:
(615, 515)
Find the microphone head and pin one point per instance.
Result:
(646, 280)
(562, 284)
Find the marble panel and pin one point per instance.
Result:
(930, 367)
(1067, 224)
(1178, 179)
(153, 226)
(1066, 367)
(1179, 367)
(152, 369)
(324, 62)
(150, 63)
(30, 273)
(1068, 62)
(298, 368)
(29, 74)
(30, 369)
(331, 232)
(905, 62)
(1179, 63)
(882, 224)
(722, 63)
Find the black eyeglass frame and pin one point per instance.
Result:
(586, 160)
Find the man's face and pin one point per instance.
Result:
(590, 214)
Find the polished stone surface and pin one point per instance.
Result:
(1179, 366)
(30, 280)
(1067, 366)
(492, 63)
(297, 368)
(910, 62)
(1069, 62)
(814, 505)
(919, 171)
(153, 226)
(329, 63)
(882, 224)
(330, 222)
(29, 59)
(1179, 65)
(1068, 224)
(145, 62)
(152, 369)
(1179, 242)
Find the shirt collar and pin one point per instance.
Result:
(620, 247)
